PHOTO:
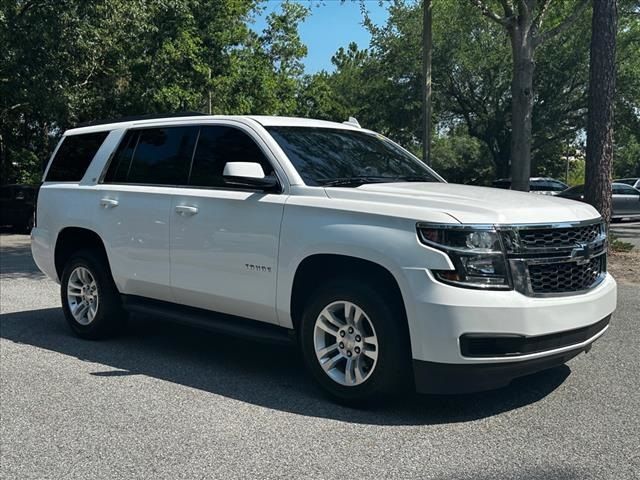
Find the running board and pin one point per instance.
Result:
(208, 320)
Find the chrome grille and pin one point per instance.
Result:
(558, 259)
(559, 237)
(565, 277)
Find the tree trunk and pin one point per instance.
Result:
(521, 106)
(427, 47)
(602, 79)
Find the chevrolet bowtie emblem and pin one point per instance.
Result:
(581, 252)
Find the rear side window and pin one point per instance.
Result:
(74, 156)
(156, 156)
(218, 145)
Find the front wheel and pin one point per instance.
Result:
(354, 343)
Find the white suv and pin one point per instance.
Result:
(326, 234)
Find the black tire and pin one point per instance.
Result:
(110, 317)
(27, 226)
(392, 371)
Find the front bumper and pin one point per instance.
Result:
(439, 315)
(541, 332)
(443, 378)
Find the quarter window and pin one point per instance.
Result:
(74, 156)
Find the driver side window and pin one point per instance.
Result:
(219, 145)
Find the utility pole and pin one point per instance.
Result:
(209, 90)
(427, 109)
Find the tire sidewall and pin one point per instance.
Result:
(109, 314)
(386, 318)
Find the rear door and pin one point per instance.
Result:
(224, 239)
(133, 205)
(626, 200)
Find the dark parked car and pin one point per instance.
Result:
(625, 199)
(542, 185)
(17, 203)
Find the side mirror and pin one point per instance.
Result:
(248, 174)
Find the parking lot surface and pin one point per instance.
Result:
(172, 402)
(627, 232)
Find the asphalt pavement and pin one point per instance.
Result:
(627, 232)
(172, 402)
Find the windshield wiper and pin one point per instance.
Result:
(413, 178)
(357, 181)
(353, 181)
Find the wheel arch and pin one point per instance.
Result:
(72, 239)
(320, 267)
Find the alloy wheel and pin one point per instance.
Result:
(345, 342)
(82, 295)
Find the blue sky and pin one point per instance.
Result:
(332, 24)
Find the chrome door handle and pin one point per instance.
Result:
(186, 210)
(108, 203)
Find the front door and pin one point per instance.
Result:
(224, 240)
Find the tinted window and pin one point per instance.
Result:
(556, 186)
(163, 156)
(218, 145)
(326, 155)
(628, 181)
(74, 156)
(121, 161)
(621, 189)
(156, 156)
(539, 186)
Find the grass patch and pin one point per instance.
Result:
(617, 245)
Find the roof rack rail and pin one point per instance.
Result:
(133, 118)
(353, 121)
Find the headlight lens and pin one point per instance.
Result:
(476, 254)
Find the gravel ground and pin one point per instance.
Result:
(173, 402)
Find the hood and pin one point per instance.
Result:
(470, 204)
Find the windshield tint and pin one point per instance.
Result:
(325, 156)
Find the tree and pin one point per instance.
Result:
(523, 23)
(63, 63)
(602, 82)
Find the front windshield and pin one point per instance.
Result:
(328, 156)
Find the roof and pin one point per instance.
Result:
(266, 121)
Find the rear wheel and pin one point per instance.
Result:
(90, 300)
(354, 342)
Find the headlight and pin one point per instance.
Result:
(476, 253)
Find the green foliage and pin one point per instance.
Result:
(617, 245)
(576, 172)
(461, 158)
(471, 86)
(72, 61)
